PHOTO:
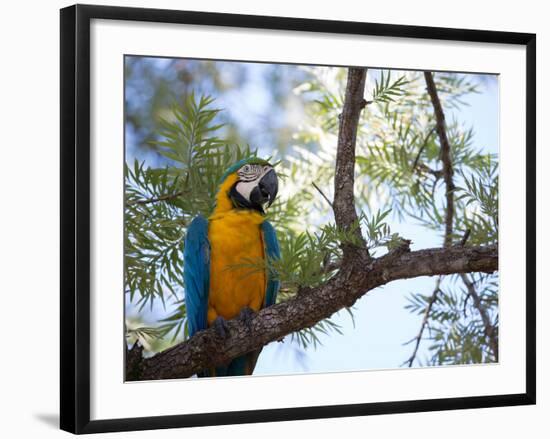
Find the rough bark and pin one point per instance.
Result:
(446, 157)
(205, 349)
(344, 201)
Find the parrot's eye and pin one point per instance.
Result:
(246, 168)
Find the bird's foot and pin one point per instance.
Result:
(220, 326)
(246, 315)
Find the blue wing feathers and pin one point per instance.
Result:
(196, 256)
(272, 251)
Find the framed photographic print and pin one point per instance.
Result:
(304, 218)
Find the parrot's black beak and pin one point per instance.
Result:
(266, 191)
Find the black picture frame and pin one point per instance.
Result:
(75, 217)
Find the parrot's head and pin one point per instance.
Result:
(250, 184)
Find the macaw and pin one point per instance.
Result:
(216, 288)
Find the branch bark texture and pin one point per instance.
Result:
(344, 201)
(446, 157)
(205, 349)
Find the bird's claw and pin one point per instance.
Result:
(246, 315)
(220, 326)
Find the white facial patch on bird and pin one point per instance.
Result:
(245, 188)
(249, 176)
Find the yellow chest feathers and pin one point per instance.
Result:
(235, 239)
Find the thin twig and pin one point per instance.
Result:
(323, 195)
(331, 266)
(465, 237)
(432, 300)
(437, 173)
(364, 103)
(489, 327)
(165, 197)
(422, 148)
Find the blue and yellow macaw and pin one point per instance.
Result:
(216, 288)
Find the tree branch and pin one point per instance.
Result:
(425, 319)
(489, 328)
(446, 157)
(344, 201)
(421, 150)
(164, 197)
(447, 172)
(205, 349)
(323, 194)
